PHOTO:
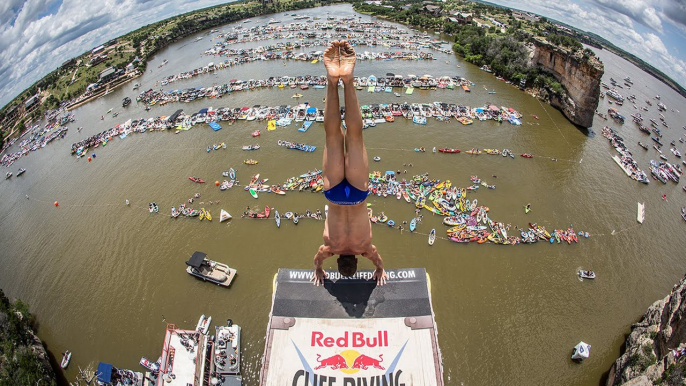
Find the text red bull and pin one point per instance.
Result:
(350, 339)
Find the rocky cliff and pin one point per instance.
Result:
(579, 75)
(651, 347)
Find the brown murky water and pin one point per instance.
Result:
(103, 278)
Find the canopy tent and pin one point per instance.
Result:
(104, 372)
(175, 115)
(311, 110)
(202, 111)
(197, 259)
(581, 351)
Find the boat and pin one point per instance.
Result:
(8, 175)
(586, 274)
(126, 102)
(224, 215)
(253, 193)
(250, 147)
(66, 357)
(255, 133)
(377, 159)
(295, 220)
(227, 353)
(202, 267)
(250, 162)
(527, 208)
(196, 180)
(297, 95)
(232, 174)
(277, 218)
(432, 236)
(641, 212)
(527, 155)
(391, 223)
(452, 151)
(174, 212)
(150, 365)
(152, 207)
(413, 224)
(203, 324)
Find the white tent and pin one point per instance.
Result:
(581, 351)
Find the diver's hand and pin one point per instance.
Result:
(380, 276)
(319, 276)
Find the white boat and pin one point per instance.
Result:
(66, 357)
(227, 351)
(432, 236)
(586, 274)
(148, 364)
(224, 215)
(203, 324)
(641, 212)
(277, 218)
(202, 267)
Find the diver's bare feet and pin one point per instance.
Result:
(347, 61)
(332, 58)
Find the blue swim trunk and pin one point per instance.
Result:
(345, 194)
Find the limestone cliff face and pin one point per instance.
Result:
(648, 358)
(580, 76)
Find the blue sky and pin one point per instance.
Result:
(36, 36)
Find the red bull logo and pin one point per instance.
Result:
(349, 362)
(350, 339)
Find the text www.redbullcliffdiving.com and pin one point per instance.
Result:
(333, 275)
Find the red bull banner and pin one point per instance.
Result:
(351, 352)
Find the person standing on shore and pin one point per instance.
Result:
(347, 229)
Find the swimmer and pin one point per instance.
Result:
(347, 229)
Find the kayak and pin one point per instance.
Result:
(432, 236)
(224, 215)
(253, 193)
(413, 224)
(196, 179)
(527, 208)
(277, 218)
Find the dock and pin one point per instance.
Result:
(181, 350)
(351, 332)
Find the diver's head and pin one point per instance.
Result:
(347, 265)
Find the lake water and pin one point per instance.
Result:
(103, 278)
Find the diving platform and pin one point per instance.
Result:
(351, 332)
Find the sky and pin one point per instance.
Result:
(37, 36)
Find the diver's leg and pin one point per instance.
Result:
(356, 164)
(333, 163)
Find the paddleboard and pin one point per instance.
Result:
(277, 218)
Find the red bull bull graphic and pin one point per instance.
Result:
(334, 362)
(364, 362)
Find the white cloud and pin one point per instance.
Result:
(34, 42)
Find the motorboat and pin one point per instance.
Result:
(227, 351)
(202, 267)
(8, 175)
(154, 367)
(586, 274)
(22, 170)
